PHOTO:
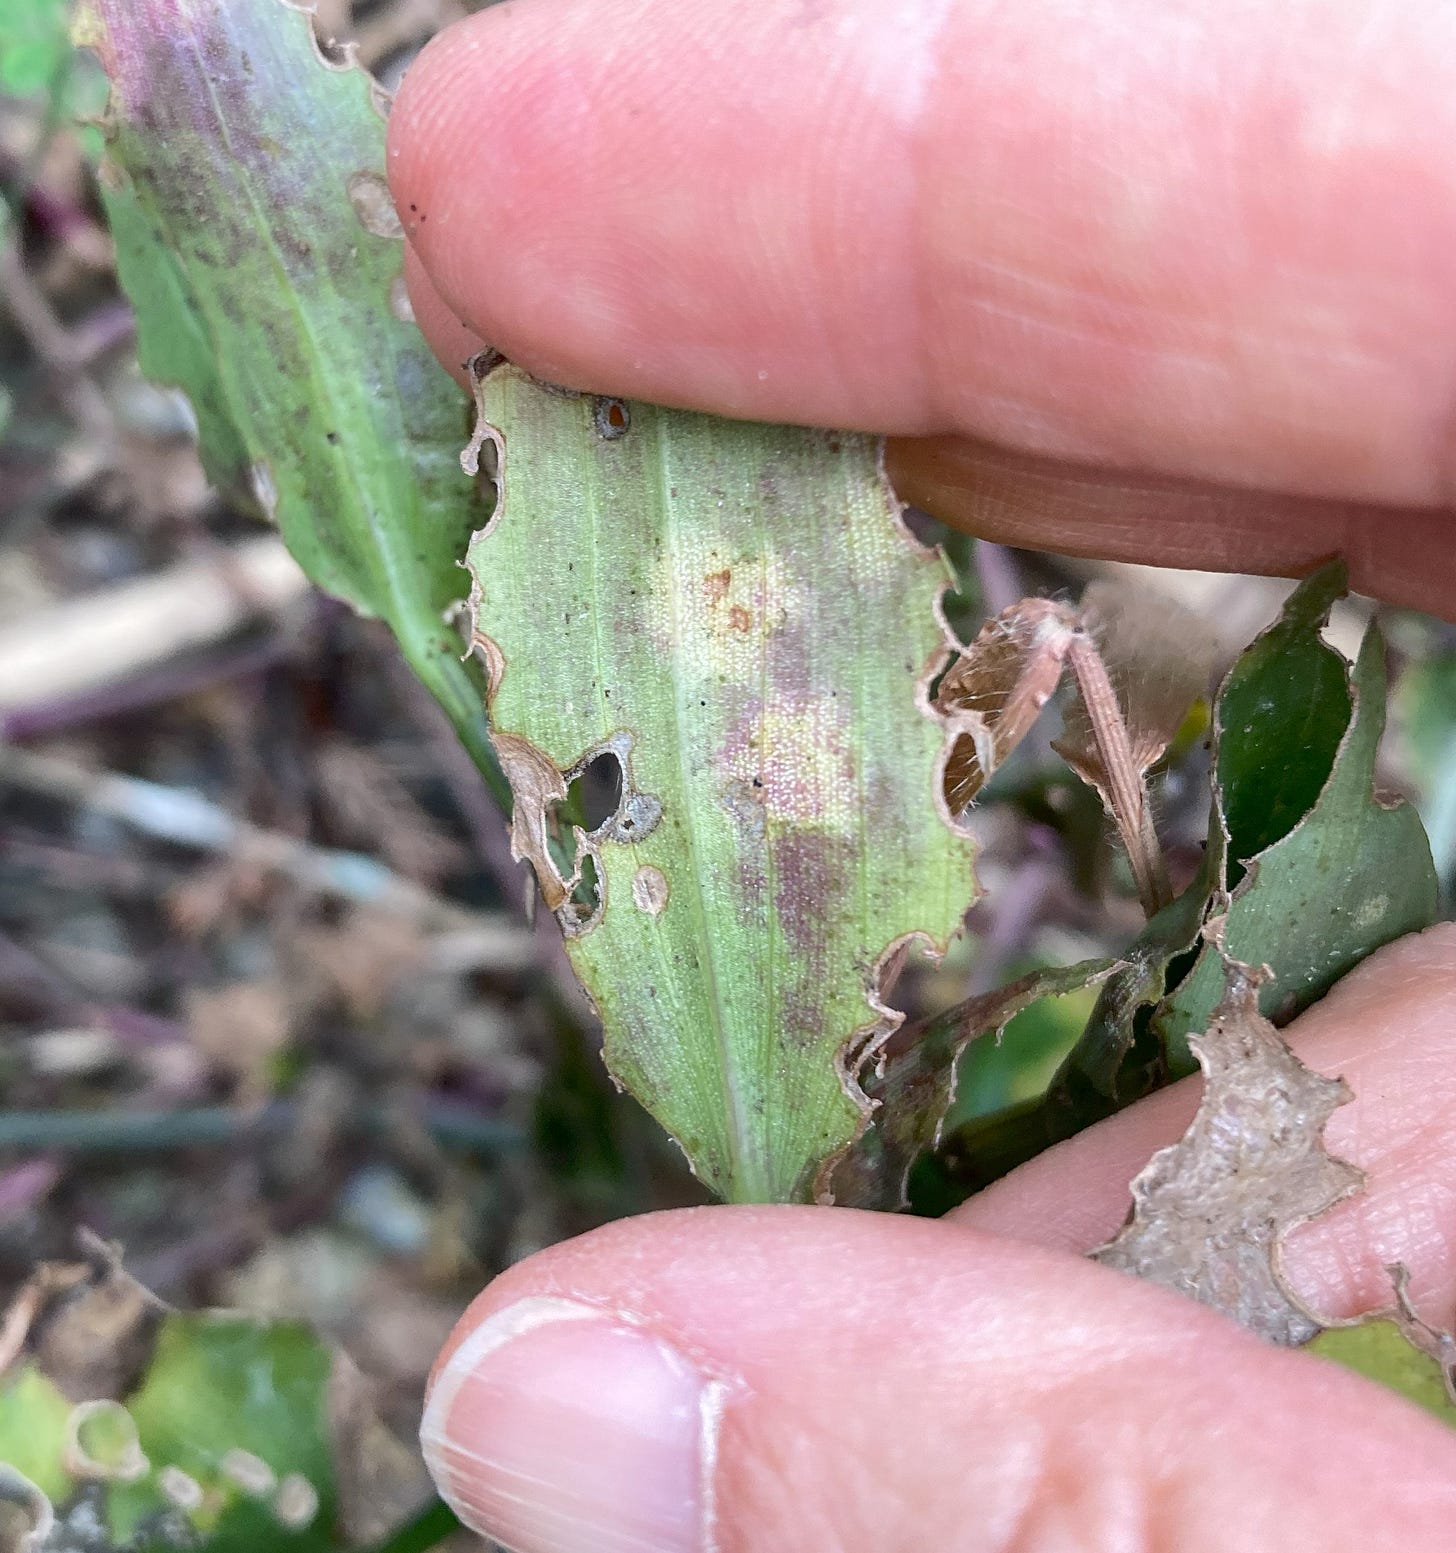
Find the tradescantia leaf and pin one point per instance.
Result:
(244, 184)
(733, 619)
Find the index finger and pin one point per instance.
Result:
(1205, 239)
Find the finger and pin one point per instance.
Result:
(839, 1382)
(452, 341)
(1205, 239)
(1390, 1029)
(1405, 556)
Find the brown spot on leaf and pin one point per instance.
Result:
(370, 197)
(744, 801)
(649, 890)
(739, 619)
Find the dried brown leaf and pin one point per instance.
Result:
(241, 1027)
(1211, 1211)
(539, 787)
(992, 693)
(1159, 658)
(362, 961)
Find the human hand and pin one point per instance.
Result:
(825, 1381)
(1158, 281)
(1168, 281)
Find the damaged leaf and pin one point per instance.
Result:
(1350, 873)
(1159, 659)
(1121, 719)
(736, 619)
(1132, 698)
(995, 690)
(244, 185)
(125, 1425)
(914, 1085)
(1211, 1211)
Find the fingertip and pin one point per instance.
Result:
(670, 202)
(452, 341)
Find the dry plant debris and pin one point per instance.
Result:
(1211, 1211)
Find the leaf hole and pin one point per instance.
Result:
(611, 418)
(596, 794)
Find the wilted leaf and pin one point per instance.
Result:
(1398, 1349)
(991, 695)
(1210, 1212)
(915, 1085)
(243, 184)
(220, 1432)
(734, 618)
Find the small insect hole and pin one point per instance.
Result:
(612, 419)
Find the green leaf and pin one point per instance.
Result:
(1351, 874)
(734, 618)
(33, 1416)
(33, 46)
(1380, 1350)
(245, 183)
(222, 1388)
(1281, 715)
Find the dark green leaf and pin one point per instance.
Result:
(245, 182)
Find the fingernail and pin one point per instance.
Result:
(555, 1428)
